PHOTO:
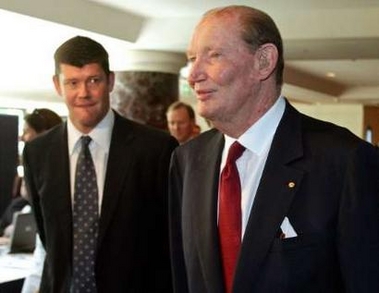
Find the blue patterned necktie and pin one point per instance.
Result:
(85, 222)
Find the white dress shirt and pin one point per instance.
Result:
(257, 141)
(99, 148)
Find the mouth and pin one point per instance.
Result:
(203, 95)
(86, 105)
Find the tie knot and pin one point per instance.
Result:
(85, 141)
(235, 152)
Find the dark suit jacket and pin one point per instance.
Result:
(132, 253)
(333, 207)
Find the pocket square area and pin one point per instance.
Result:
(287, 230)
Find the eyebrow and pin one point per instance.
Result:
(206, 49)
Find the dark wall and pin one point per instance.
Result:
(8, 157)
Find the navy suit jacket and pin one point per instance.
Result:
(132, 248)
(333, 206)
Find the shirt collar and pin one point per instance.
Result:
(101, 134)
(261, 133)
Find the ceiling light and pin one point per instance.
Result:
(330, 74)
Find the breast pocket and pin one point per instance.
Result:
(301, 264)
(299, 242)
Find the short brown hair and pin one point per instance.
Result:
(80, 51)
(178, 105)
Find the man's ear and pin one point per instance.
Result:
(111, 81)
(267, 58)
(57, 84)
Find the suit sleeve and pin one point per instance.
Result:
(175, 220)
(29, 177)
(161, 245)
(358, 223)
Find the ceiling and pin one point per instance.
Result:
(331, 47)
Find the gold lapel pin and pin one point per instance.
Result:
(291, 184)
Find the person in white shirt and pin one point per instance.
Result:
(270, 200)
(125, 245)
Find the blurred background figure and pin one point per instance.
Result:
(38, 122)
(181, 122)
(35, 123)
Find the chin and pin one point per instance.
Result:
(206, 114)
(202, 110)
(89, 122)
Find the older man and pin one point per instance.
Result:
(270, 200)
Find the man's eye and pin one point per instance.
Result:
(215, 55)
(191, 60)
(71, 83)
(94, 80)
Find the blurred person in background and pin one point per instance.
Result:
(181, 121)
(35, 124)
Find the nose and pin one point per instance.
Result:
(174, 126)
(196, 73)
(82, 89)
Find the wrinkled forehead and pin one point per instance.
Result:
(219, 19)
(214, 29)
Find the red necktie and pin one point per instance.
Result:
(229, 223)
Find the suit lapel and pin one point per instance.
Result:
(118, 167)
(275, 193)
(205, 210)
